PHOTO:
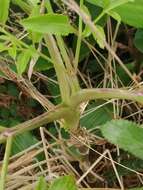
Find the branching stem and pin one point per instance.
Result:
(70, 113)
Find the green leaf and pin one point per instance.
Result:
(49, 23)
(22, 142)
(22, 61)
(36, 37)
(12, 51)
(126, 134)
(100, 40)
(93, 13)
(92, 116)
(42, 184)
(3, 47)
(115, 15)
(87, 30)
(132, 163)
(42, 65)
(109, 4)
(116, 3)
(106, 3)
(54, 89)
(131, 13)
(97, 2)
(63, 183)
(4, 9)
(121, 73)
(12, 90)
(138, 40)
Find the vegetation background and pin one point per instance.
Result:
(71, 96)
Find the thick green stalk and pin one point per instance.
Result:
(56, 114)
(59, 68)
(67, 85)
(72, 78)
(71, 74)
(70, 113)
(105, 93)
(5, 163)
(61, 44)
(58, 63)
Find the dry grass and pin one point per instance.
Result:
(25, 168)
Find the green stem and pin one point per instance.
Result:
(64, 53)
(5, 162)
(49, 7)
(58, 62)
(59, 68)
(57, 113)
(70, 113)
(107, 93)
(60, 40)
(72, 78)
(99, 17)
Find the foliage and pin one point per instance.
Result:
(46, 51)
(57, 24)
(4, 11)
(41, 184)
(125, 134)
(138, 40)
(65, 182)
